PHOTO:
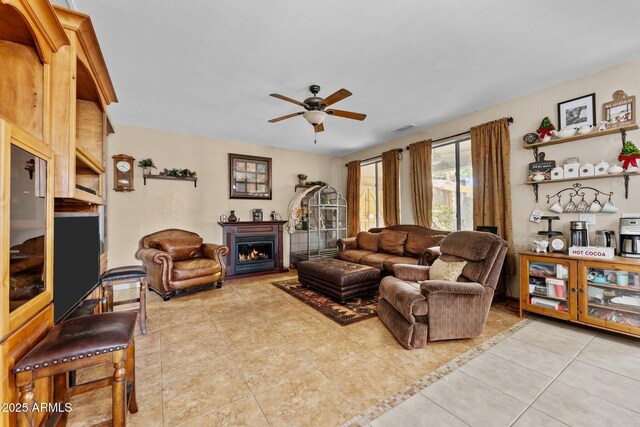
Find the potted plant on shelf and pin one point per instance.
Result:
(146, 165)
(545, 128)
(629, 156)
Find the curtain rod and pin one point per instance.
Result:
(374, 157)
(509, 120)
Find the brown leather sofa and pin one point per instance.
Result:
(417, 309)
(382, 248)
(178, 260)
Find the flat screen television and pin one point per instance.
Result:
(76, 260)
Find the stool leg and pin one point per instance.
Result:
(26, 383)
(131, 376)
(107, 304)
(119, 389)
(60, 394)
(143, 305)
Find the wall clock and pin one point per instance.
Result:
(122, 172)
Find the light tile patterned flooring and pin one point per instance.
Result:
(250, 354)
(546, 374)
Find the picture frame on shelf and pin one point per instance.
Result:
(577, 112)
(619, 112)
(249, 177)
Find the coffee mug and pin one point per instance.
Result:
(571, 207)
(583, 206)
(596, 206)
(609, 207)
(556, 207)
(622, 278)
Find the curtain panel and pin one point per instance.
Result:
(421, 185)
(490, 160)
(353, 198)
(391, 187)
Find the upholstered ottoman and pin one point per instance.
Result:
(339, 279)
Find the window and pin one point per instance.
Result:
(371, 195)
(452, 185)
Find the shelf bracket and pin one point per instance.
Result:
(623, 133)
(535, 154)
(626, 186)
(535, 191)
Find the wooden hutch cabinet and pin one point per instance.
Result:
(604, 293)
(82, 89)
(54, 89)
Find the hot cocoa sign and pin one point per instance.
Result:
(592, 252)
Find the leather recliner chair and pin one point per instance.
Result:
(417, 309)
(178, 260)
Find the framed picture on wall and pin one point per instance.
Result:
(249, 177)
(577, 112)
(619, 112)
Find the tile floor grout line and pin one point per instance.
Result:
(440, 406)
(553, 380)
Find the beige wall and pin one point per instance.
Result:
(527, 112)
(173, 204)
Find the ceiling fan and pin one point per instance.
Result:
(316, 110)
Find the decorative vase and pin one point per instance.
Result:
(232, 217)
(146, 171)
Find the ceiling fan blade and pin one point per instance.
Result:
(319, 128)
(335, 97)
(288, 116)
(347, 114)
(286, 98)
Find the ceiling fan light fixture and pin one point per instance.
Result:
(314, 117)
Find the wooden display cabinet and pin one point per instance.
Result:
(82, 88)
(26, 267)
(600, 293)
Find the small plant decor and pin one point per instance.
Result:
(629, 156)
(147, 165)
(545, 127)
(178, 173)
(322, 183)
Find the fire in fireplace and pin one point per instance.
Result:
(255, 253)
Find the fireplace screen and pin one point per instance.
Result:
(249, 252)
(254, 254)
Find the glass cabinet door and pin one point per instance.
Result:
(27, 215)
(546, 286)
(610, 296)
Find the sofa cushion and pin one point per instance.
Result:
(390, 262)
(448, 271)
(418, 242)
(368, 241)
(376, 260)
(195, 267)
(470, 245)
(392, 242)
(178, 248)
(353, 255)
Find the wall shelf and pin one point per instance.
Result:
(171, 178)
(625, 176)
(593, 134)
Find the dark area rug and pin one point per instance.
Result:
(355, 310)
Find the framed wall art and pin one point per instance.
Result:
(577, 112)
(619, 112)
(249, 177)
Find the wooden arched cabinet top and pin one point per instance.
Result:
(32, 23)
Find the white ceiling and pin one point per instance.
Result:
(207, 67)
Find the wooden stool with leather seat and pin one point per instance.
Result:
(80, 343)
(128, 274)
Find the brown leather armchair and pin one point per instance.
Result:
(417, 309)
(178, 261)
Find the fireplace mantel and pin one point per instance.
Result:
(232, 230)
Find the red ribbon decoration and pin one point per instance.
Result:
(629, 161)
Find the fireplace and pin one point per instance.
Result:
(255, 247)
(255, 253)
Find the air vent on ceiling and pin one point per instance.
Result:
(404, 128)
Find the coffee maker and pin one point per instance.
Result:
(579, 233)
(606, 238)
(630, 237)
